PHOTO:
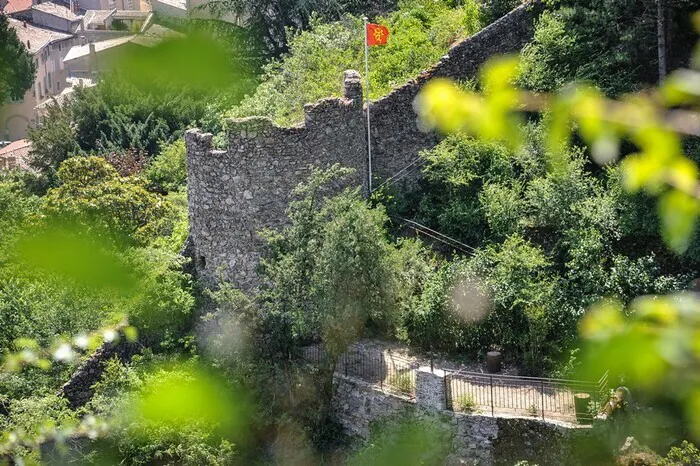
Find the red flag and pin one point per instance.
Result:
(376, 34)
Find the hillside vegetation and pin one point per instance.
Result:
(90, 243)
(421, 32)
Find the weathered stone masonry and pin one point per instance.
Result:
(236, 193)
(476, 439)
(233, 194)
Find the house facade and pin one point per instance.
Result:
(48, 47)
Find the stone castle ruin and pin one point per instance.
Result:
(235, 193)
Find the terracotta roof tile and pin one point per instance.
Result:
(15, 155)
(59, 11)
(13, 6)
(33, 37)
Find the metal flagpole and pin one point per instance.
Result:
(369, 134)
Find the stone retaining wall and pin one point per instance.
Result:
(476, 439)
(78, 390)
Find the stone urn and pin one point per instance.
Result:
(493, 362)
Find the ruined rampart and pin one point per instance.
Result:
(235, 193)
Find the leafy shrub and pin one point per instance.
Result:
(32, 415)
(333, 270)
(472, 185)
(117, 116)
(421, 32)
(406, 440)
(401, 381)
(549, 244)
(432, 324)
(574, 41)
(141, 439)
(162, 306)
(494, 9)
(93, 195)
(167, 172)
(686, 454)
(465, 403)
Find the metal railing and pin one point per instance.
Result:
(539, 397)
(389, 372)
(474, 392)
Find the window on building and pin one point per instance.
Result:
(41, 94)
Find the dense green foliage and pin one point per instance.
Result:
(686, 454)
(47, 293)
(17, 67)
(333, 270)
(406, 440)
(167, 171)
(275, 20)
(550, 244)
(611, 43)
(151, 96)
(114, 116)
(420, 33)
(91, 193)
(140, 440)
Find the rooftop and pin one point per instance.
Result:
(78, 51)
(154, 35)
(131, 14)
(66, 93)
(96, 17)
(15, 155)
(180, 4)
(13, 6)
(54, 9)
(34, 37)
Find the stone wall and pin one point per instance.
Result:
(396, 137)
(235, 193)
(78, 390)
(476, 439)
(430, 388)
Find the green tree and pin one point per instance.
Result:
(92, 194)
(54, 141)
(274, 20)
(17, 66)
(332, 274)
(118, 116)
(611, 43)
(331, 271)
(651, 343)
(167, 171)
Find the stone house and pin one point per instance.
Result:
(55, 16)
(48, 48)
(15, 155)
(89, 59)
